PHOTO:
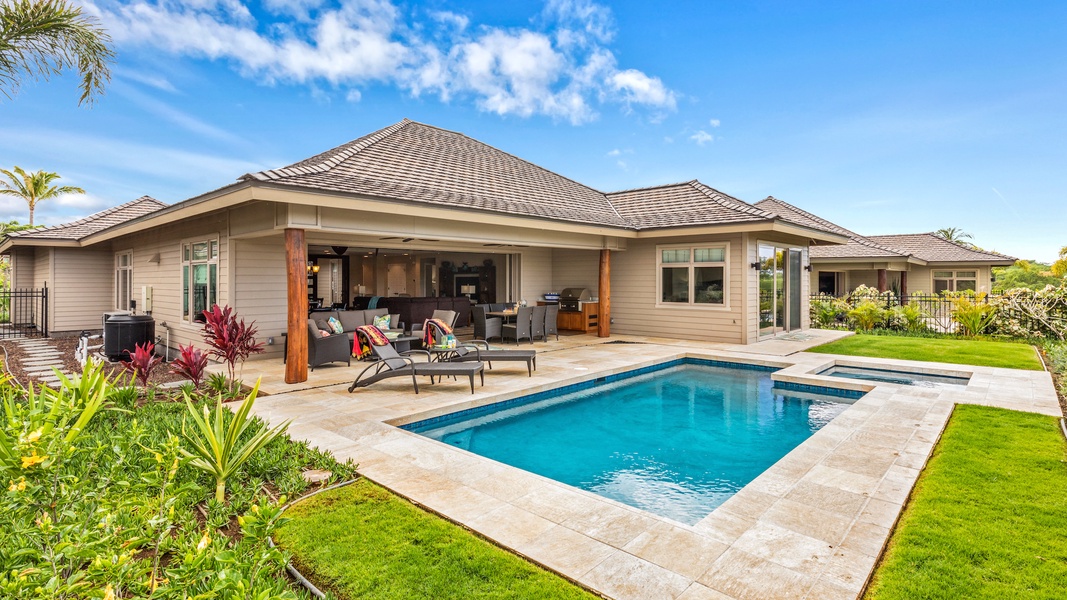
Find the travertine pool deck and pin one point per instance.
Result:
(811, 526)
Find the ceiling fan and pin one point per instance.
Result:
(406, 240)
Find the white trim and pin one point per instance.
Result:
(691, 246)
(129, 278)
(955, 278)
(183, 263)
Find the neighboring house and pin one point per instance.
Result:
(905, 264)
(387, 213)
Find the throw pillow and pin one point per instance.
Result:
(382, 322)
(324, 333)
(335, 325)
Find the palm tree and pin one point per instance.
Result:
(34, 187)
(954, 234)
(41, 38)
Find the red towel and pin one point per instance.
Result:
(428, 327)
(364, 337)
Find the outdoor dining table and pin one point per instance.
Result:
(506, 314)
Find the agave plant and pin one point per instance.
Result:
(216, 446)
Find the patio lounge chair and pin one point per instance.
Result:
(473, 351)
(391, 364)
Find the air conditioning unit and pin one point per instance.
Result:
(104, 319)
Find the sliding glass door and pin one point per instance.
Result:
(779, 289)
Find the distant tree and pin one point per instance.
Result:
(1024, 274)
(1059, 268)
(34, 187)
(13, 225)
(954, 234)
(41, 38)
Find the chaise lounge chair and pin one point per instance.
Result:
(391, 364)
(479, 351)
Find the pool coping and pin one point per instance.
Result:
(812, 525)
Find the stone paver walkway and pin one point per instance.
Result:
(811, 526)
(39, 359)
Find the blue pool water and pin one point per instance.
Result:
(676, 442)
(899, 377)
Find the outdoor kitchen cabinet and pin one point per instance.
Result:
(584, 320)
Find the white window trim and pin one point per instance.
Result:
(691, 305)
(129, 280)
(182, 263)
(955, 278)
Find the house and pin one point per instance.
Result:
(905, 264)
(417, 210)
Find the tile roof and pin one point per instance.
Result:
(934, 248)
(420, 163)
(94, 223)
(683, 204)
(927, 247)
(857, 246)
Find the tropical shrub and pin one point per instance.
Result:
(910, 317)
(190, 364)
(973, 316)
(99, 503)
(867, 315)
(1032, 313)
(217, 447)
(231, 340)
(142, 362)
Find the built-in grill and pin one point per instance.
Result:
(570, 299)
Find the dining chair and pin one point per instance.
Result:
(537, 323)
(521, 328)
(551, 318)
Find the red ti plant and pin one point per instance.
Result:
(142, 362)
(190, 364)
(231, 340)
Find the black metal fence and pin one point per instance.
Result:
(24, 313)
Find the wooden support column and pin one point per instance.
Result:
(882, 283)
(903, 287)
(296, 362)
(603, 328)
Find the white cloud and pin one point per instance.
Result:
(714, 122)
(353, 96)
(178, 117)
(156, 81)
(558, 68)
(615, 152)
(702, 137)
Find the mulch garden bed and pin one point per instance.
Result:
(12, 362)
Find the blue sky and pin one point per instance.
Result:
(885, 117)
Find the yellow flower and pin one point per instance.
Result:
(255, 508)
(33, 459)
(33, 437)
(109, 592)
(204, 541)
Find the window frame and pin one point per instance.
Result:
(692, 265)
(953, 281)
(128, 269)
(188, 295)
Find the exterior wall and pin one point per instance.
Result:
(920, 278)
(581, 268)
(83, 288)
(163, 244)
(42, 276)
(22, 265)
(260, 288)
(634, 279)
(536, 266)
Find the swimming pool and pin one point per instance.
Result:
(676, 440)
(929, 380)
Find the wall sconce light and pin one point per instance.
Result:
(807, 268)
(312, 267)
(756, 265)
(154, 259)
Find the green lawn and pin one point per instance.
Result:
(361, 541)
(1012, 355)
(988, 515)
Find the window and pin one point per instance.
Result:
(955, 281)
(693, 275)
(123, 280)
(200, 278)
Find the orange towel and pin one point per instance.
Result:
(365, 336)
(428, 328)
